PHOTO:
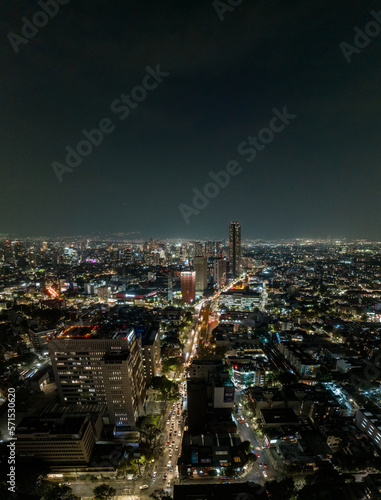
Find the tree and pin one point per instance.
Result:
(281, 490)
(160, 495)
(246, 445)
(150, 434)
(251, 457)
(54, 491)
(168, 391)
(229, 471)
(104, 492)
(325, 484)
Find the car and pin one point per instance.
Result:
(170, 455)
(143, 487)
(247, 425)
(266, 465)
(165, 476)
(179, 433)
(171, 469)
(177, 448)
(168, 422)
(168, 443)
(170, 434)
(169, 463)
(173, 442)
(258, 455)
(264, 473)
(154, 474)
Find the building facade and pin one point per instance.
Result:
(188, 286)
(235, 248)
(200, 266)
(90, 368)
(66, 439)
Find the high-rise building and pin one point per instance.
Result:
(219, 272)
(188, 286)
(104, 293)
(151, 354)
(200, 265)
(91, 367)
(210, 248)
(196, 248)
(235, 248)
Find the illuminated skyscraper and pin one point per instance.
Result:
(235, 247)
(188, 286)
(219, 272)
(200, 265)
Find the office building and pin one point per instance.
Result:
(188, 286)
(200, 266)
(65, 439)
(235, 248)
(196, 248)
(104, 293)
(107, 369)
(219, 272)
(151, 354)
(204, 368)
(370, 424)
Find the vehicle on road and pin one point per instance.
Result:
(143, 487)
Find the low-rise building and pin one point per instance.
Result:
(370, 424)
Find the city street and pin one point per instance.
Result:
(260, 472)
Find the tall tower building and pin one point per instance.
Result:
(200, 265)
(219, 272)
(91, 367)
(188, 286)
(235, 247)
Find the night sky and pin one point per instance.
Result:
(318, 177)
